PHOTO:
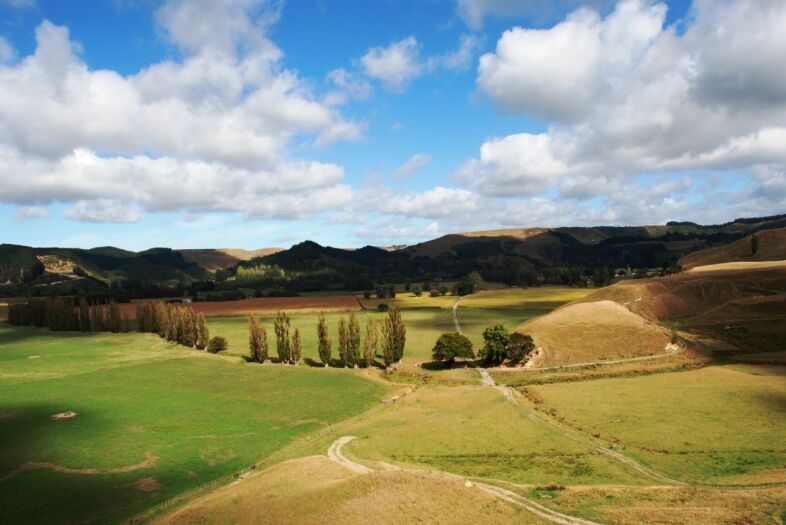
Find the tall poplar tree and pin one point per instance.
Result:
(370, 343)
(281, 328)
(324, 343)
(353, 341)
(343, 342)
(296, 348)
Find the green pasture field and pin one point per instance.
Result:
(153, 420)
(424, 326)
(474, 431)
(426, 318)
(546, 298)
(718, 425)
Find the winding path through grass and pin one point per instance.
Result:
(335, 453)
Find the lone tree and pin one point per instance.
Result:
(257, 340)
(295, 349)
(217, 344)
(370, 343)
(324, 343)
(343, 342)
(496, 339)
(281, 328)
(451, 346)
(520, 347)
(394, 336)
(469, 284)
(202, 332)
(754, 244)
(353, 341)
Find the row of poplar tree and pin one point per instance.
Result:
(350, 351)
(67, 314)
(177, 324)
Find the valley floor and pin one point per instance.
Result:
(107, 428)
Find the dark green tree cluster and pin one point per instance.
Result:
(350, 350)
(384, 292)
(469, 284)
(503, 347)
(62, 314)
(176, 324)
(451, 346)
(289, 349)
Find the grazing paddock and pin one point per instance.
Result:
(152, 420)
(265, 305)
(719, 424)
(424, 326)
(473, 431)
(546, 298)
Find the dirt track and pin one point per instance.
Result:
(335, 453)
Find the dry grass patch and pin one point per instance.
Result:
(673, 506)
(589, 332)
(316, 490)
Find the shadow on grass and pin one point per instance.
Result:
(33, 493)
(14, 334)
(438, 365)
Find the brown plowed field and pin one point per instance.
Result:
(264, 305)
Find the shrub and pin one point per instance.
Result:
(382, 307)
(451, 346)
(217, 344)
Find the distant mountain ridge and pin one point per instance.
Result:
(519, 256)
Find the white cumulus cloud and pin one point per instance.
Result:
(395, 65)
(210, 131)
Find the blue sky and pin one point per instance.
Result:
(250, 123)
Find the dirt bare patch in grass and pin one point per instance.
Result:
(148, 484)
(150, 461)
(62, 416)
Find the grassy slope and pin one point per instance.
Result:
(335, 495)
(772, 247)
(716, 424)
(588, 332)
(196, 418)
